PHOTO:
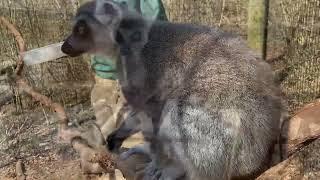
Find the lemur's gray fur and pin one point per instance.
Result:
(213, 104)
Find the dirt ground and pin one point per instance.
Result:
(32, 137)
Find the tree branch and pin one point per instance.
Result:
(69, 135)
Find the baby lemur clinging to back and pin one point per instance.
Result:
(213, 105)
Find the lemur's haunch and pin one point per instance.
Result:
(209, 106)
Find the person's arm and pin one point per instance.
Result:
(154, 9)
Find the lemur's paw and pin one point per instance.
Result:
(152, 172)
(134, 150)
(113, 142)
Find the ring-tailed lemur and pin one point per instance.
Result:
(213, 105)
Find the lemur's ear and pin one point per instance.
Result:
(124, 5)
(106, 11)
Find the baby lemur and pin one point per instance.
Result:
(208, 105)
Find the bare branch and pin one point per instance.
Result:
(103, 159)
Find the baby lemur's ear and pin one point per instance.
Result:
(107, 11)
(124, 5)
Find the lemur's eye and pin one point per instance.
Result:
(119, 38)
(81, 28)
(136, 36)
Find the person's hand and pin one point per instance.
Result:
(104, 67)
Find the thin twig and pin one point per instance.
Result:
(45, 115)
(8, 163)
(20, 128)
(222, 11)
(20, 171)
(22, 84)
(20, 42)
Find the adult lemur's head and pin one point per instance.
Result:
(102, 26)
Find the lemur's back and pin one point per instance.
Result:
(203, 60)
(236, 102)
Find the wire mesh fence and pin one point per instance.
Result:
(293, 45)
(295, 31)
(41, 23)
(230, 15)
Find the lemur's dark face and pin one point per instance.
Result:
(80, 41)
(94, 29)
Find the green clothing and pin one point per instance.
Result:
(104, 67)
(153, 9)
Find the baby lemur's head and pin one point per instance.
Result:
(102, 26)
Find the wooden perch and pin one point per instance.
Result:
(69, 135)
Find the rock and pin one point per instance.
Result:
(302, 146)
(302, 127)
(304, 164)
